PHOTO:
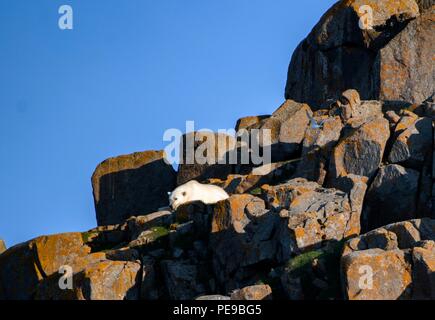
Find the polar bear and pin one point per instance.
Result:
(195, 191)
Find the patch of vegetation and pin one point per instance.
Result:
(299, 265)
(158, 232)
(88, 236)
(327, 270)
(255, 192)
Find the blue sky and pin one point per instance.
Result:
(128, 71)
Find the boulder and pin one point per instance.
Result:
(205, 155)
(246, 122)
(38, 259)
(360, 151)
(256, 292)
(314, 215)
(392, 196)
(388, 271)
(286, 127)
(412, 141)
(323, 65)
(122, 277)
(183, 279)
(93, 281)
(242, 236)
(2, 246)
(250, 183)
(316, 149)
(392, 262)
(131, 185)
(404, 67)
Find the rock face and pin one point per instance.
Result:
(361, 150)
(215, 163)
(345, 209)
(315, 215)
(2, 246)
(392, 196)
(129, 185)
(413, 139)
(392, 262)
(323, 65)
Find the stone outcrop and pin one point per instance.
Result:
(2, 246)
(393, 262)
(360, 150)
(130, 185)
(392, 60)
(345, 209)
(392, 196)
(214, 164)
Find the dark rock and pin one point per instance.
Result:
(218, 163)
(323, 65)
(392, 197)
(242, 237)
(182, 280)
(316, 149)
(131, 185)
(413, 140)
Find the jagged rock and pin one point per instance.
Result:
(256, 292)
(391, 274)
(182, 279)
(131, 185)
(313, 274)
(360, 152)
(103, 237)
(287, 127)
(316, 149)
(149, 287)
(392, 196)
(423, 260)
(404, 66)
(323, 65)
(37, 259)
(413, 140)
(215, 164)
(92, 283)
(246, 122)
(265, 174)
(392, 117)
(242, 236)
(136, 225)
(2, 246)
(315, 214)
(396, 261)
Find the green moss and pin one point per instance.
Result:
(158, 232)
(301, 267)
(256, 191)
(88, 236)
(299, 264)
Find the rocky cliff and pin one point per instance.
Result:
(345, 211)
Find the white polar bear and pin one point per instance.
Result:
(195, 191)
